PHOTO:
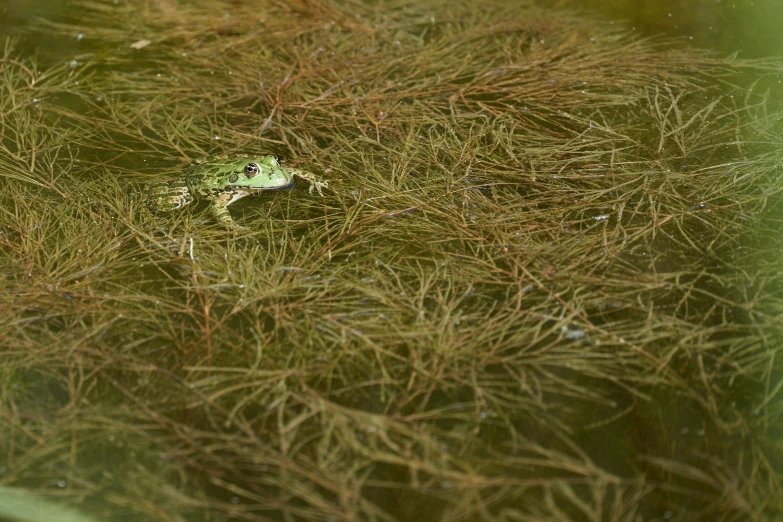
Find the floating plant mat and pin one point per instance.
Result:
(544, 284)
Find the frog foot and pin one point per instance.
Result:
(315, 183)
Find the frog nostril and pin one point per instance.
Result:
(233, 178)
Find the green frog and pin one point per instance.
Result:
(223, 180)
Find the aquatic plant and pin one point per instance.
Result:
(542, 288)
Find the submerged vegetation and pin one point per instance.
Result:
(545, 284)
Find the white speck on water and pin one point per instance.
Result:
(62, 483)
(601, 217)
(217, 138)
(235, 500)
(574, 332)
(79, 37)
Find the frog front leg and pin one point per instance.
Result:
(315, 183)
(220, 211)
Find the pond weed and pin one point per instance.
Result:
(536, 291)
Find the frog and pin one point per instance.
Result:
(222, 180)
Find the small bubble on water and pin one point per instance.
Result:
(61, 483)
(572, 332)
(79, 37)
(235, 500)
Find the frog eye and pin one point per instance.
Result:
(277, 159)
(251, 169)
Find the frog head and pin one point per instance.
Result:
(263, 173)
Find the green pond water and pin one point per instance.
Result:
(544, 283)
